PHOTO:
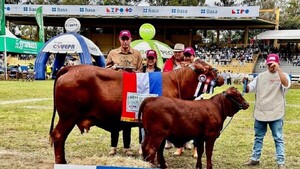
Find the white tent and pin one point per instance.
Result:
(280, 34)
(61, 46)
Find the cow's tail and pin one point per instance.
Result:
(142, 106)
(59, 73)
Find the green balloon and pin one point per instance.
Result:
(147, 31)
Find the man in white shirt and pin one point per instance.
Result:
(270, 87)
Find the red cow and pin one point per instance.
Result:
(199, 119)
(86, 95)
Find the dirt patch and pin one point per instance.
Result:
(295, 86)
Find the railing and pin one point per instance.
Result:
(295, 78)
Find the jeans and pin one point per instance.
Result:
(260, 129)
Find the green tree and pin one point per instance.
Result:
(290, 18)
(225, 3)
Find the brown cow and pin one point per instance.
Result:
(181, 120)
(86, 95)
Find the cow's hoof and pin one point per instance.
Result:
(163, 165)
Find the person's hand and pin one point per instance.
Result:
(274, 66)
(114, 67)
(245, 80)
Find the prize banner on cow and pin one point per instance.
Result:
(134, 101)
(136, 87)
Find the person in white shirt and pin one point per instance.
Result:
(270, 87)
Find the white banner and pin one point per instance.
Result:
(134, 11)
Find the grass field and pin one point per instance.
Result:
(26, 111)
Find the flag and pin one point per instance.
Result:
(137, 87)
(2, 18)
(40, 22)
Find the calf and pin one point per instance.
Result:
(181, 120)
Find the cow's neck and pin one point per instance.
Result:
(187, 82)
(224, 105)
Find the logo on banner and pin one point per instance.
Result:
(179, 11)
(240, 11)
(119, 10)
(72, 25)
(29, 9)
(145, 10)
(86, 10)
(58, 9)
(62, 46)
(24, 44)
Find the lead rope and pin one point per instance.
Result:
(244, 91)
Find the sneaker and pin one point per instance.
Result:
(168, 145)
(188, 146)
(113, 151)
(128, 152)
(195, 155)
(252, 163)
(179, 151)
(281, 166)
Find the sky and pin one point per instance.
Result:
(210, 2)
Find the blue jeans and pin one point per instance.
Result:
(260, 129)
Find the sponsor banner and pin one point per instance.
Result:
(40, 22)
(21, 46)
(135, 11)
(2, 18)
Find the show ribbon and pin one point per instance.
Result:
(207, 82)
(212, 86)
(201, 79)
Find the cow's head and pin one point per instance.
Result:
(200, 67)
(238, 101)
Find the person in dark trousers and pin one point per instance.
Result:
(128, 59)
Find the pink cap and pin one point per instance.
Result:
(125, 33)
(272, 58)
(189, 50)
(151, 53)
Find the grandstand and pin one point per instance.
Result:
(236, 67)
(286, 67)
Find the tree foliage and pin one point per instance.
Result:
(225, 3)
(290, 18)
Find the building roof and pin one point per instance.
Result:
(280, 34)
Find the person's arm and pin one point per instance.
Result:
(109, 62)
(250, 87)
(283, 79)
(140, 63)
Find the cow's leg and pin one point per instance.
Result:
(160, 155)
(200, 149)
(209, 145)
(148, 150)
(59, 136)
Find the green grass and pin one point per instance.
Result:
(25, 126)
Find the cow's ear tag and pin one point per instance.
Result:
(202, 78)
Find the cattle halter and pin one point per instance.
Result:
(240, 105)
